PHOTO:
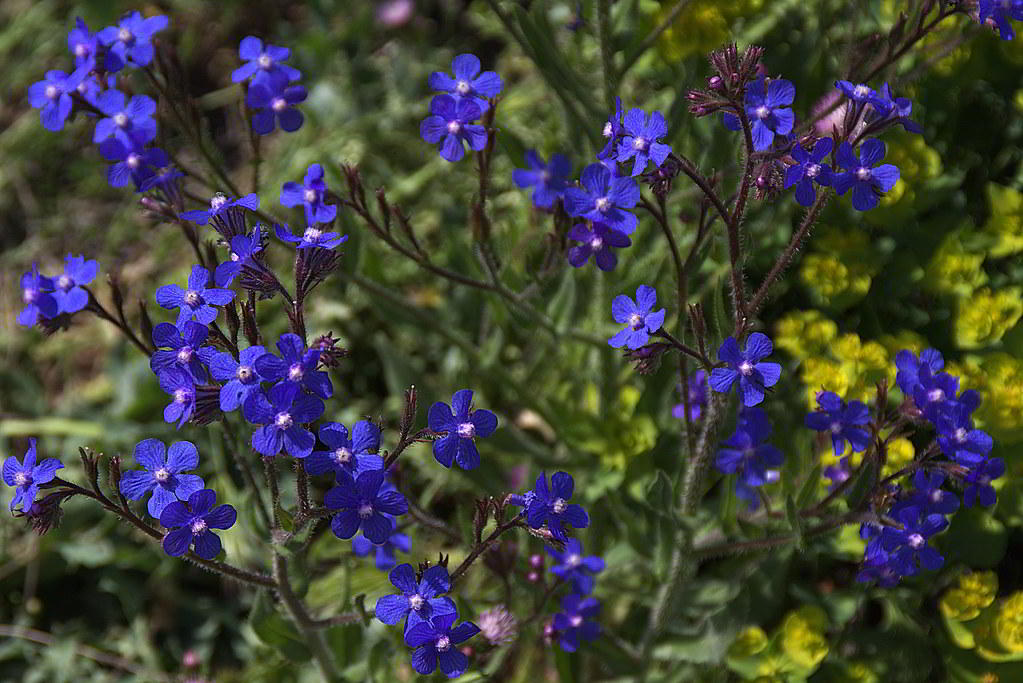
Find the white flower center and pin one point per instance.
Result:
(863, 173)
(836, 427)
(960, 435)
(596, 243)
(185, 354)
(133, 160)
(936, 496)
(65, 283)
(746, 368)
(763, 111)
(120, 119)
(311, 234)
(984, 480)
(454, 127)
(607, 130)
(29, 295)
(443, 644)
(463, 87)
(217, 201)
(365, 510)
(861, 90)
(181, 395)
(235, 257)
(343, 455)
(935, 395)
(573, 560)
(22, 479)
(915, 541)
(244, 373)
(198, 526)
(278, 104)
(295, 372)
(635, 321)
(576, 621)
(559, 505)
(466, 430)
(310, 196)
(264, 61)
(812, 170)
(125, 35)
(162, 474)
(81, 50)
(640, 143)
(51, 92)
(192, 297)
(416, 601)
(283, 420)
(603, 204)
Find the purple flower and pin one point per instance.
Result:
(274, 103)
(572, 566)
(599, 240)
(240, 377)
(52, 96)
(907, 547)
(282, 411)
(551, 506)
(461, 426)
(198, 301)
(754, 377)
(603, 198)
(747, 454)
(860, 94)
(417, 601)
(384, 553)
(243, 249)
(574, 622)
(844, 422)
(998, 13)
(641, 140)
(132, 163)
(638, 316)
(310, 195)
(468, 82)
(353, 454)
(67, 287)
(808, 170)
(163, 476)
(296, 366)
(227, 215)
(191, 524)
(180, 385)
(697, 397)
(26, 476)
(82, 43)
(548, 180)
(181, 349)
(978, 482)
(893, 110)
(130, 122)
(957, 437)
(129, 41)
(767, 107)
(928, 495)
(935, 393)
(612, 131)
(312, 237)
(36, 294)
(867, 180)
(263, 61)
(450, 123)
(908, 366)
(435, 643)
(362, 504)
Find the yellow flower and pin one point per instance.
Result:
(831, 282)
(1009, 623)
(985, 317)
(975, 592)
(1006, 221)
(805, 333)
(953, 270)
(999, 379)
(864, 365)
(900, 454)
(698, 29)
(751, 641)
(802, 636)
(823, 373)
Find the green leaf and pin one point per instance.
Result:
(274, 630)
(865, 480)
(792, 515)
(562, 303)
(809, 488)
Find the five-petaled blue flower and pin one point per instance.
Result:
(132, 163)
(639, 317)
(468, 82)
(130, 41)
(550, 505)
(767, 107)
(435, 642)
(862, 173)
(908, 367)
(928, 495)
(754, 376)
(844, 422)
(37, 295)
(191, 524)
(131, 121)
(52, 96)
(261, 61)
(82, 43)
(26, 476)
(364, 503)
(282, 411)
(240, 377)
(311, 237)
(747, 454)
(181, 348)
(243, 249)
(418, 601)
(296, 365)
(354, 454)
(808, 170)
(574, 622)
(603, 198)
(599, 240)
(978, 482)
(181, 387)
(893, 109)
(548, 180)
(383, 553)
(450, 123)
(67, 287)
(310, 195)
(641, 140)
(859, 93)
(273, 102)
(460, 428)
(225, 213)
(164, 474)
(906, 547)
(574, 567)
(958, 438)
(198, 301)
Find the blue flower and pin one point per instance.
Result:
(450, 123)
(842, 421)
(957, 437)
(26, 476)
(767, 107)
(603, 198)
(435, 643)
(908, 368)
(417, 601)
(548, 180)
(747, 454)
(550, 506)
(928, 496)
(353, 454)
(263, 61)
(639, 317)
(384, 553)
(296, 366)
(67, 287)
(612, 131)
(226, 214)
(998, 13)
(130, 122)
(282, 411)
(82, 43)
(697, 398)
(574, 567)
(362, 504)
(132, 163)
(240, 377)
(181, 349)
(198, 301)
(754, 377)
(907, 547)
(191, 524)
(641, 140)
(860, 94)
(978, 482)
(37, 295)
(310, 195)
(181, 387)
(52, 96)
(935, 393)
(574, 622)
(599, 240)
(862, 173)
(129, 41)
(243, 249)
(273, 102)
(312, 237)
(468, 82)
(164, 474)
(461, 425)
(889, 109)
(808, 170)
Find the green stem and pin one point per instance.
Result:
(307, 626)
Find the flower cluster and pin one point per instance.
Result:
(271, 90)
(467, 95)
(46, 298)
